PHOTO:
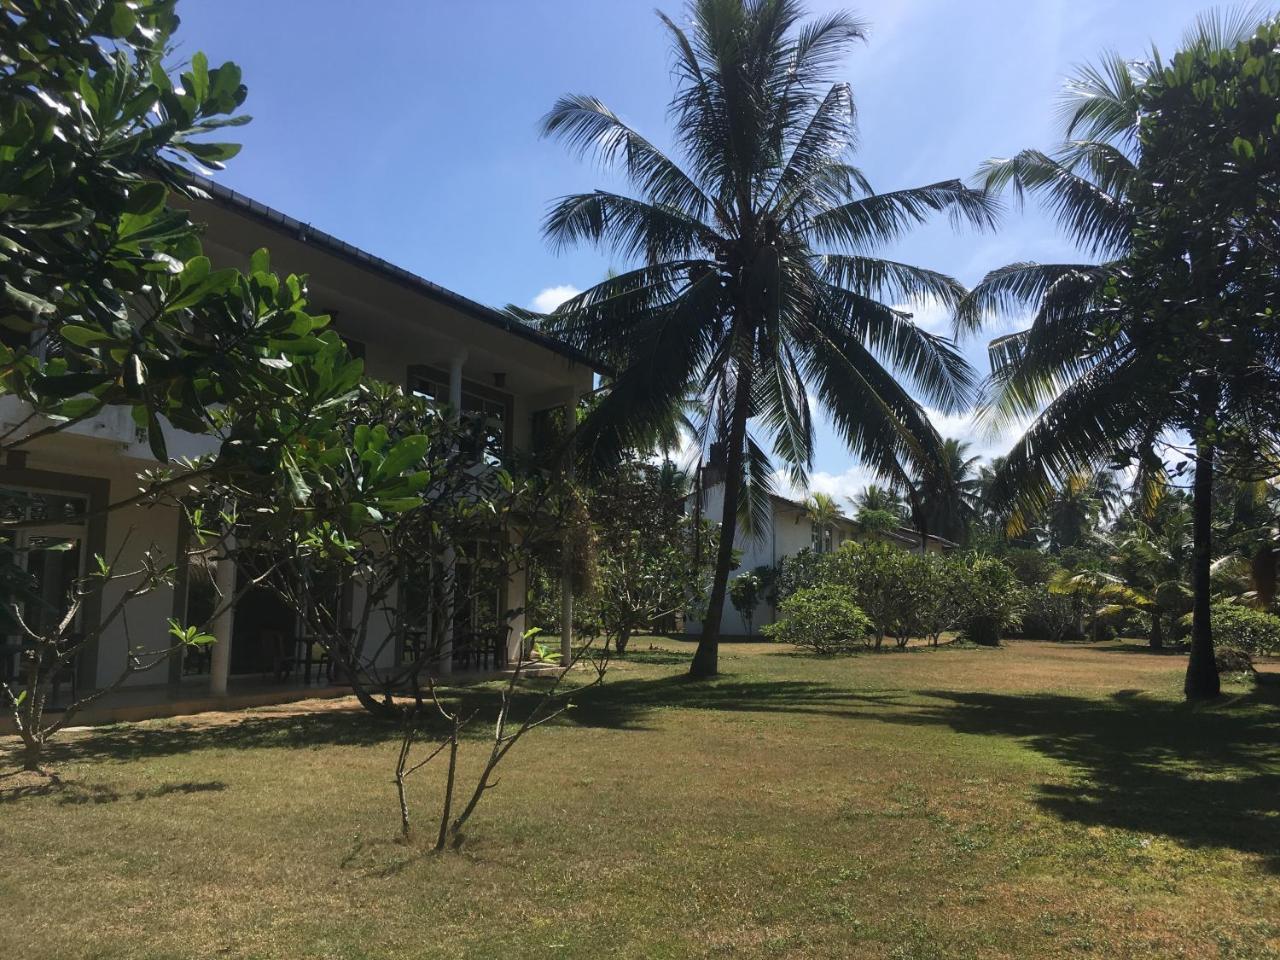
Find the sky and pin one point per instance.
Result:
(409, 127)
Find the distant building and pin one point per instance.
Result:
(790, 530)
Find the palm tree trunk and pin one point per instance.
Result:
(1156, 640)
(706, 661)
(1202, 672)
(1263, 570)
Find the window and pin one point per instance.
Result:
(492, 408)
(40, 564)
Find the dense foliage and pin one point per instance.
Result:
(903, 595)
(822, 619)
(1253, 631)
(1167, 173)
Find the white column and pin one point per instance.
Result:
(566, 571)
(224, 623)
(515, 600)
(449, 558)
(455, 382)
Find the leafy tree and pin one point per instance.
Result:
(758, 277)
(106, 298)
(941, 595)
(745, 593)
(797, 572)
(822, 619)
(1168, 172)
(996, 601)
(646, 565)
(876, 575)
(370, 495)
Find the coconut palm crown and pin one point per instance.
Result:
(753, 283)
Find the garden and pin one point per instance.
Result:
(1009, 706)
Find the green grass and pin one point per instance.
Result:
(1031, 801)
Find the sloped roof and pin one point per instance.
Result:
(306, 233)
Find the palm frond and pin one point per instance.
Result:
(1097, 414)
(586, 125)
(1100, 101)
(885, 217)
(755, 505)
(636, 228)
(1095, 219)
(933, 364)
(880, 422)
(890, 280)
(1015, 288)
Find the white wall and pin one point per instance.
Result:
(787, 533)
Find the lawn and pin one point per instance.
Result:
(1030, 801)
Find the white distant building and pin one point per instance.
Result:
(789, 531)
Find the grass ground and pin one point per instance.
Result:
(1030, 801)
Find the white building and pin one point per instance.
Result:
(407, 329)
(788, 531)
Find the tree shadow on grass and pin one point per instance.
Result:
(626, 704)
(74, 793)
(1203, 776)
(134, 741)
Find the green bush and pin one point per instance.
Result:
(1233, 660)
(996, 602)
(1244, 628)
(822, 619)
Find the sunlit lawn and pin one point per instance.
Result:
(1031, 801)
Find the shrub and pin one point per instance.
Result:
(1246, 629)
(1051, 616)
(744, 594)
(1233, 660)
(822, 619)
(996, 601)
(879, 579)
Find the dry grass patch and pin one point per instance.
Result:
(1037, 800)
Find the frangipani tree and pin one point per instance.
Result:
(755, 281)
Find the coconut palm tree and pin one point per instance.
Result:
(948, 498)
(1152, 560)
(876, 497)
(754, 281)
(1107, 369)
(822, 511)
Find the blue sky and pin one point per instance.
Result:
(409, 127)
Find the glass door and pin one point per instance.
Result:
(39, 566)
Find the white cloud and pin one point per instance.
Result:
(932, 317)
(966, 426)
(838, 485)
(551, 297)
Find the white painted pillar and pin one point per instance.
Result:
(224, 623)
(515, 600)
(449, 558)
(455, 383)
(566, 572)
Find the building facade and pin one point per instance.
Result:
(408, 331)
(788, 531)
